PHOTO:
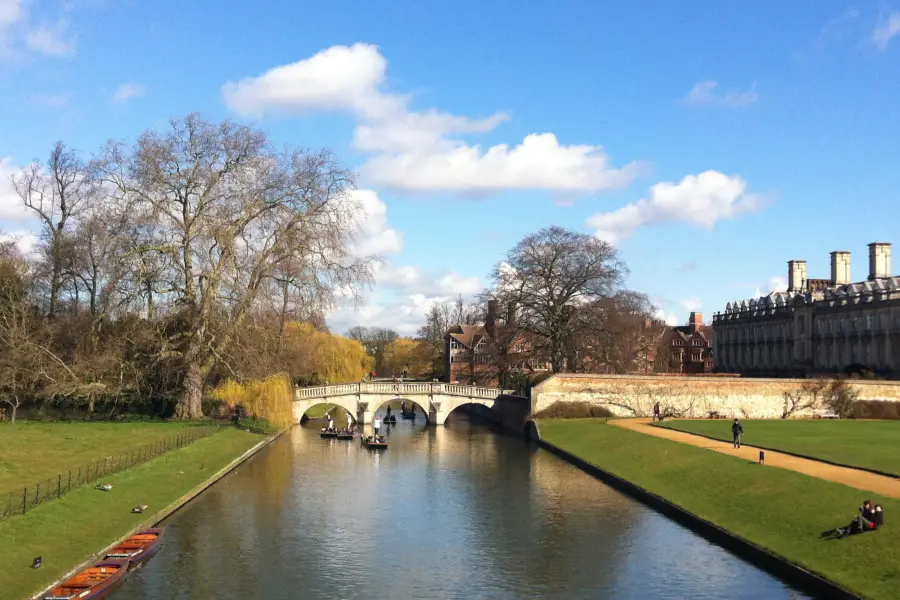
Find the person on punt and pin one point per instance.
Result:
(389, 413)
(403, 407)
(377, 426)
(349, 422)
(330, 423)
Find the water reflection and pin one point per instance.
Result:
(455, 512)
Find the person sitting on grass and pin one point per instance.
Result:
(870, 518)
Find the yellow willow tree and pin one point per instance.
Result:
(318, 356)
(404, 355)
(268, 398)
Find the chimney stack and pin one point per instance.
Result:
(511, 315)
(879, 260)
(796, 275)
(491, 318)
(840, 267)
(696, 321)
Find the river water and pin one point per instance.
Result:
(448, 512)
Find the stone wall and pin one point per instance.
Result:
(694, 396)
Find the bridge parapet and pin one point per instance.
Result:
(399, 389)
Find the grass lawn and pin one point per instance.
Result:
(32, 451)
(850, 442)
(778, 509)
(318, 411)
(69, 530)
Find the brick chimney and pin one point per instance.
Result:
(696, 321)
(491, 319)
(511, 314)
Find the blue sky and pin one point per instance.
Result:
(728, 137)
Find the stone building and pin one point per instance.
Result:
(688, 348)
(817, 325)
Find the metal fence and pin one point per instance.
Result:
(23, 499)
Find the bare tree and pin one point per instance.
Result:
(222, 210)
(57, 192)
(549, 275)
(809, 395)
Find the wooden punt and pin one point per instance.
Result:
(372, 444)
(138, 548)
(93, 583)
(345, 436)
(328, 434)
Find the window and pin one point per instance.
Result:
(677, 342)
(454, 343)
(697, 355)
(518, 348)
(697, 342)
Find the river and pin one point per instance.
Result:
(449, 512)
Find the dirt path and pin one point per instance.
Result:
(863, 480)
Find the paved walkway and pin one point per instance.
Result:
(863, 480)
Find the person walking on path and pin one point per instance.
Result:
(656, 412)
(736, 431)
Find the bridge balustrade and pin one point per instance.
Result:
(467, 391)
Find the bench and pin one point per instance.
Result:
(825, 414)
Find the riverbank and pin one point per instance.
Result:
(69, 531)
(767, 509)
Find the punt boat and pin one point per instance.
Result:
(93, 583)
(138, 548)
(328, 434)
(372, 444)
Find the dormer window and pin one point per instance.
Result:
(698, 342)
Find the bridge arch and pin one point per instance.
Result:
(347, 403)
(451, 405)
(410, 400)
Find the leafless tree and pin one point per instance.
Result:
(809, 395)
(549, 276)
(57, 193)
(221, 211)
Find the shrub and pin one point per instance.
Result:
(875, 409)
(572, 410)
(839, 397)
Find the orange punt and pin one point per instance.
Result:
(138, 548)
(93, 583)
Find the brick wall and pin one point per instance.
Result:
(627, 395)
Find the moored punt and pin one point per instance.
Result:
(372, 444)
(391, 420)
(138, 548)
(344, 436)
(94, 582)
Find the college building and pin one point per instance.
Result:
(817, 326)
(689, 348)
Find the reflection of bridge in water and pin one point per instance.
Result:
(437, 400)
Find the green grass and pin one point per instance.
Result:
(318, 411)
(32, 451)
(778, 509)
(867, 444)
(69, 530)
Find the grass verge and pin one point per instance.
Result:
(779, 510)
(318, 411)
(33, 451)
(852, 443)
(68, 531)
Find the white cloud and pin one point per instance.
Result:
(706, 93)
(693, 304)
(421, 151)
(886, 30)
(408, 279)
(374, 235)
(404, 315)
(128, 91)
(11, 207)
(774, 284)
(668, 318)
(25, 240)
(52, 40)
(698, 200)
(10, 12)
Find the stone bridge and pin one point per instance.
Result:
(437, 400)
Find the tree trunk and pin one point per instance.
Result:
(12, 416)
(189, 405)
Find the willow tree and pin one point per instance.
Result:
(549, 276)
(222, 211)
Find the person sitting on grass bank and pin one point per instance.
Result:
(737, 430)
(870, 518)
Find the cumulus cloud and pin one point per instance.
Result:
(52, 40)
(421, 151)
(698, 200)
(668, 318)
(692, 304)
(707, 93)
(404, 315)
(374, 235)
(11, 207)
(25, 240)
(128, 91)
(48, 34)
(408, 279)
(774, 284)
(10, 12)
(886, 30)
